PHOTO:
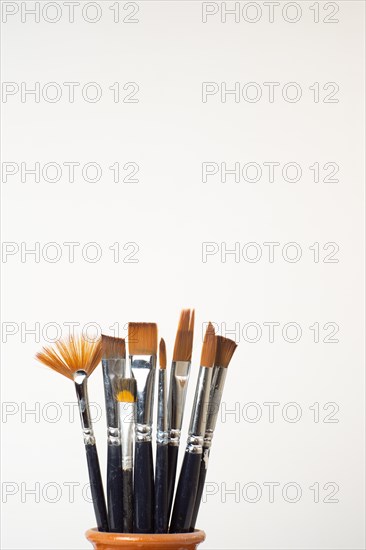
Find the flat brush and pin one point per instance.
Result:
(179, 377)
(126, 399)
(143, 343)
(161, 465)
(76, 359)
(225, 349)
(113, 363)
(189, 476)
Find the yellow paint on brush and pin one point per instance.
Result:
(125, 396)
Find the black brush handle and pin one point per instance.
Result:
(161, 489)
(96, 486)
(186, 493)
(114, 488)
(127, 501)
(201, 484)
(172, 472)
(143, 488)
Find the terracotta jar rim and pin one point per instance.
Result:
(116, 538)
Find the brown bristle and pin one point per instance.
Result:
(142, 338)
(224, 351)
(162, 354)
(72, 354)
(209, 347)
(126, 390)
(113, 348)
(184, 338)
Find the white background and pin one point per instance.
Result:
(169, 52)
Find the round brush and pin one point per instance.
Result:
(161, 465)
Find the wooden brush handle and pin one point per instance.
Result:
(186, 493)
(172, 472)
(127, 502)
(201, 484)
(143, 488)
(114, 488)
(96, 486)
(161, 489)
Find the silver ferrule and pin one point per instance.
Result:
(162, 421)
(199, 413)
(81, 387)
(127, 416)
(217, 388)
(143, 432)
(179, 376)
(112, 373)
(143, 370)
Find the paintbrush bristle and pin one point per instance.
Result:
(126, 390)
(209, 347)
(72, 354)
(225, 349)
(142, 338)
(184, 338)
(162, 354)
(113, 348)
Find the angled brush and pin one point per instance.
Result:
(126, 399)
(76, 359)
(189, 476)
(143, 343)
(225, 349)
(161, 464)
(179, 377)
(113, 363)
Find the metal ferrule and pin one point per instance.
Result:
(179, 376)
(81, 387)
(112, 372)
(143, 370)
(162, 422)
(127, 416)
(199, 413)
(217, 387)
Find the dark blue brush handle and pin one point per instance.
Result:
(172, 472)
(186, 493)
(127, 501)
(161, 489)
(201, 484)
(114, 488)
(143, 488)
(96, 486)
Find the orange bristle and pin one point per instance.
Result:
(142, 338)
(162, 354)
(113, 348)
(225, 349)
(72, 354)
(209, 347)
(184, 338)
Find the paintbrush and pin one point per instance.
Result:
(126, 398)
(179, 377)
(189, 476)
(113, 363)
(225, 349)
(76, 359)
(143, 342)
(161, 465)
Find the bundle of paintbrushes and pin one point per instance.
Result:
(139, 498)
